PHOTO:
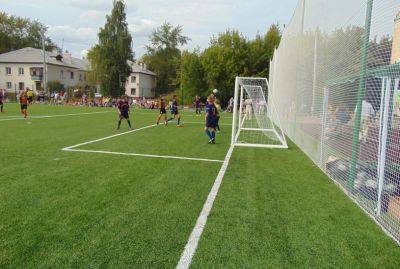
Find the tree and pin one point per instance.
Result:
(192, 75)
(163, 56)
(225, 58)
(109, 58)
(55, 85)
(17, 33)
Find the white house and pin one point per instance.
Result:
(141, 82)
(23, 68)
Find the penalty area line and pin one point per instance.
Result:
(52, 116)
(142, 155)
(191, 245)
(107, 137)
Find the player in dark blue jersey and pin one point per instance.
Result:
(197, 105)
(123, 110)
(1, 100)
(163, 111)
(211, 120)
(175, 111)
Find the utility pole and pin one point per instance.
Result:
(44, 64)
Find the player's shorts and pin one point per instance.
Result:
(163, 111)
(124, 115)
(24, 107)
(30, 99)
(211, 123)
(174, 112)
(1, 102)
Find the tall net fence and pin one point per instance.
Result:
(335, 81)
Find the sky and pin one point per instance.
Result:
(73, 24)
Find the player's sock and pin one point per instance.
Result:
(1, 108)
(170, 119)
(213, 137)
(179, 120)
(129, 124)
(119, 124)
(208, 133)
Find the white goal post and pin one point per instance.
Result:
(255, 122)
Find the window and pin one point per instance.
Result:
(133, 91)
(61, 74)
(21, 86)
(80, 77)
(72, 75)
(84, 77)
(8, 70)
(9, 85)
(133, 79)
(20, 71)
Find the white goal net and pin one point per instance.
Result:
(255, 123)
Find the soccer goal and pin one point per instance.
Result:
(255, 121)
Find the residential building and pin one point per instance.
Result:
(23, 68)
(141, 83)
(396, 41)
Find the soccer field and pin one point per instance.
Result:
(77, 193)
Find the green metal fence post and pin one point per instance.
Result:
(360, 96)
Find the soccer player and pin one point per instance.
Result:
(163, 111)
(1, 100)
(29, 94)
(123, 110)
(175, 112)
(211, 120)
(197, 105)
(23, 100)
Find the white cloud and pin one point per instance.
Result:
(141, 27)
(91, 5)
(84, 53)
(93, 16)
(72, 34)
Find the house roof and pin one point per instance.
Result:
(136, 68)
(32, 55)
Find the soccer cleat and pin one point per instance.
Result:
(210, 141)
(179, 126)
(213, 141)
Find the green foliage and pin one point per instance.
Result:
(163, 56)
(226, 58)
(17, 33)
(55, 85)
(229, 55)
(109, 57)
(192, 76)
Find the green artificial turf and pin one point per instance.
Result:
(276, 209)
(60, 209)
(76, 210)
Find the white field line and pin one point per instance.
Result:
(143, 155)
(54, 116)
(108, 137)
(191, 245)
(72, 148)
(156, 112)
(202, 122)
